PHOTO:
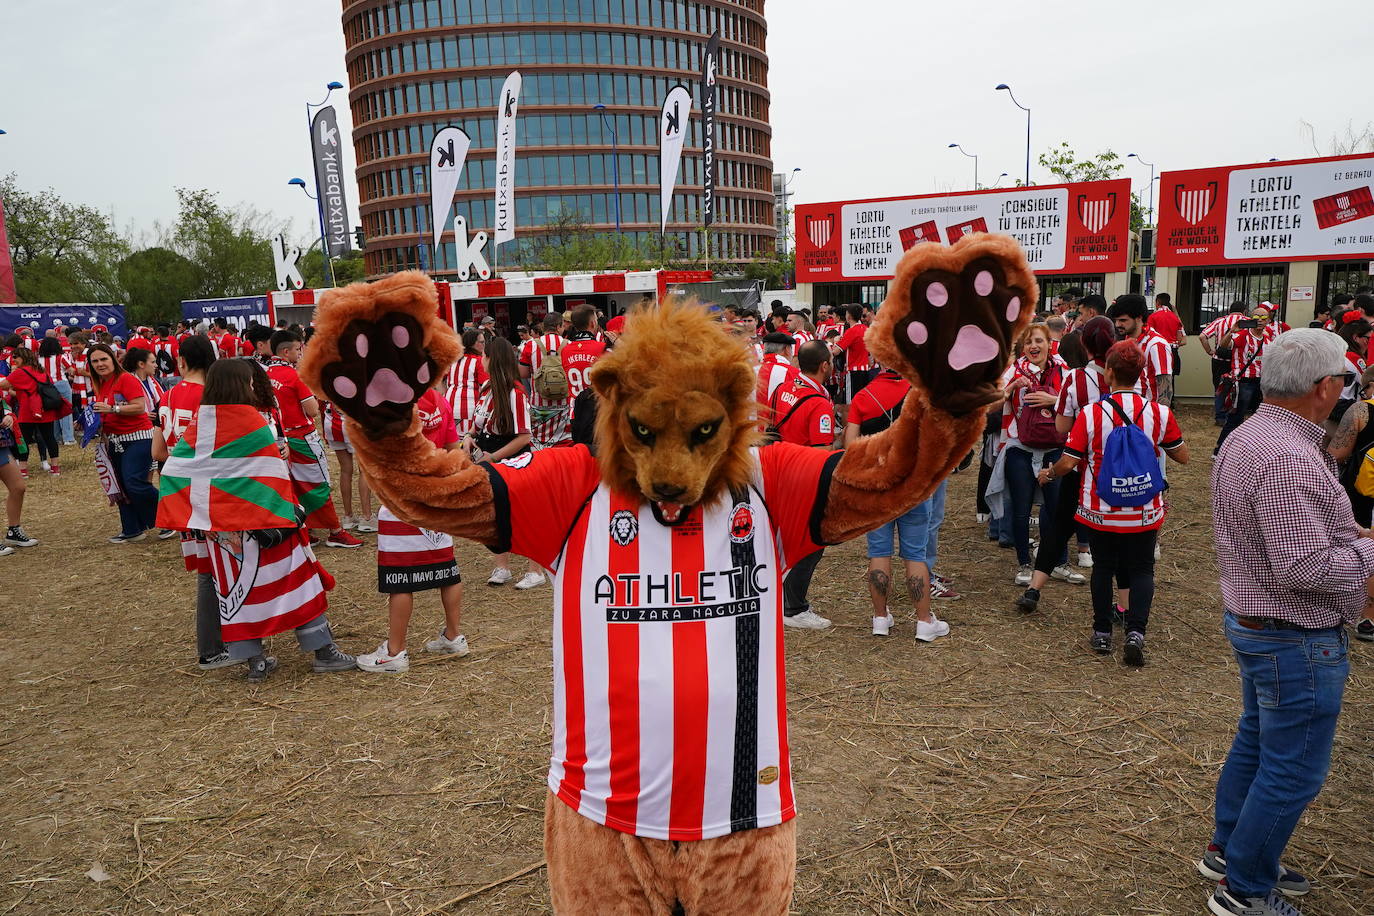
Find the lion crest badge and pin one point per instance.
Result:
(624, 527)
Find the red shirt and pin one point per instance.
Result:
(804, 413)
(878, 404)
(578, 357)
(852, 343)
(291, 393)
(436, 419)
(26, 380)
(1165, 323)
(122, 390)
(226, 345)
(179, 409)
(139, 341)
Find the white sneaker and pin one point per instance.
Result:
(348, 523)
(5, 550)
(1157, 550)
(1023, 575)
(1068, 574)
(365, 524)
(46, 466)
(806, 620)
(882, 626)
(383, 662)
(499, 576)
(929, 632)
(441, 644)
(982, 518)
(530, 580)
(1085, 560)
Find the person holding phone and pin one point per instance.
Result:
(1247, 340)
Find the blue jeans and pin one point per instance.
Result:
(912, 535)
(1292, 682)
(933, 523)
(131, 467)
(64, 425)
(1021, 484)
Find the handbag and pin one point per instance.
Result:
(1226, 389)
(1035, 426)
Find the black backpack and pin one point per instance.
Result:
(48, 394)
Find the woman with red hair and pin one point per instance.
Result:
(1123, 536)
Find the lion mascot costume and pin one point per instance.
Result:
(670, 789)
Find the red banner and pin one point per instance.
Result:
(7, 292)
(1064, 229)
(1300, 210)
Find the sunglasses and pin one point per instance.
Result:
(1347, 378)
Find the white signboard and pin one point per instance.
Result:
(1305, 210)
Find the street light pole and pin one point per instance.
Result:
(318, 197)
(786, 196)
(972, 156)
(998, 182)
(615, 158)
(1152, 184)
(1001, 86)
(417, 172)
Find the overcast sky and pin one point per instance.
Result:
(115, 104)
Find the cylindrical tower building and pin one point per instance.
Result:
(416, 66)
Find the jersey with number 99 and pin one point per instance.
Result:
(578, 357)
(179, 409)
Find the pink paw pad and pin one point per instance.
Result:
(360, 343)
(937, 295)
(983, 283)
(1014, 308)
(972, 346)
(917, 332)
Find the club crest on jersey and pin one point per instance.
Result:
(741, 524)
(624, 527)
(518, 461)
(768, 775)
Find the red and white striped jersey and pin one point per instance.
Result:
(1247, 349)
(801, 337)
(669, 716)
(1219, 327)
(1355, 363)
(169, 346)
(550, 423)
(1088, 440)
(465, 380)
(484, 416)
(775, 370)
(1082, 388)
(56, 367)
(1052, 375)
(1159, 361)
(403, 545)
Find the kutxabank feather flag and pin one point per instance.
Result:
(225, 474)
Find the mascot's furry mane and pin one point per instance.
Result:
(667, 352)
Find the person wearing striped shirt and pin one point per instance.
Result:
(1123, 537)
(548, 417)
(1247, 341)
(1129, 314)
(1211, 337)
(57, 364)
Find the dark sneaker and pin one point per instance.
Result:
(330, 659)
(15, 536)
(1101, 643)
(1213, 865)
(128, 538)
(259, 666)
(222, 660)
(1134, 652)
(1224, 903)
(1365, 630)
(1029, 601)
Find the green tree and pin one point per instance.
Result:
(350, 269)
(62, 252)
(231, 248)
(157, 280)
(1065, 165)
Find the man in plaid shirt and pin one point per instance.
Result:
(1295, 569)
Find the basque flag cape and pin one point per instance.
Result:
(225, 474)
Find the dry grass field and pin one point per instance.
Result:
(1004, 769)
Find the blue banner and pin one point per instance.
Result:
(238, 311)
(52, 314)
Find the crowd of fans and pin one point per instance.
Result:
(1072, 469)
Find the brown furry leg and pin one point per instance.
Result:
(596, 871)
(749, 873)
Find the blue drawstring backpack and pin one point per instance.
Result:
(1129, 474)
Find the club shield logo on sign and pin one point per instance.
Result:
(1096, 213)
(820, 228)
(1193, 204)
